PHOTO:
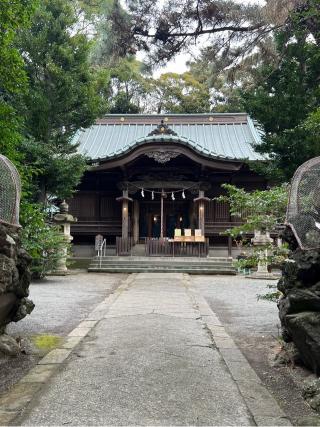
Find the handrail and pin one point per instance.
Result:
(102, 247)
(102, 251)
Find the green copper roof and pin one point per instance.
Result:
(225, 135)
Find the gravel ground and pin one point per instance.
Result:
(254, 326)
(61, 303)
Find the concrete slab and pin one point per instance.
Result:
(260, 402)
(6, 417)
(56, 356)
(272, 421)
(18, 397)
(71, 342)
(87, 324)
(79, 332)
(39, 374)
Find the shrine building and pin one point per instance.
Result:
(150, 176)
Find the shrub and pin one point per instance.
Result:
(43, 241)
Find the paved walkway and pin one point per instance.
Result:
(157, 356)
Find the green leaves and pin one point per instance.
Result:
(43, 241)
(260, 209)
(62, 97)
(286, 97)
(13, 80)
(181, 93)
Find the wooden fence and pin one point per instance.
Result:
(165, 247)
(124, 246)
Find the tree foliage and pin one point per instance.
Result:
(61, 97)
(48, 91)
(165, 28)
(285, 99)
(128, 86)
(179, 93)
(13, 79)
(260, 209)
(43, 241)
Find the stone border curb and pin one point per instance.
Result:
(14, 401)
(263, 407)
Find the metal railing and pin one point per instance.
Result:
(102, 251)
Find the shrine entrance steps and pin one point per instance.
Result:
(142, 264)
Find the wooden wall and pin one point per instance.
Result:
(96, 213)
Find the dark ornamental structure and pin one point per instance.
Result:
(153, 175)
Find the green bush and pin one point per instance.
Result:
(247, 263)
(43, 241)
(272, 296)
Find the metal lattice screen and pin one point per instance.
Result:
(303, 213)
(10, 191)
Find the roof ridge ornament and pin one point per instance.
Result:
(162, 129)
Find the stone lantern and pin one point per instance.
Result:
(64, 219)
(261, 240)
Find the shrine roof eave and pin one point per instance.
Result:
(202, 151)
(171, 143)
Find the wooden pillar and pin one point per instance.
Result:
(125, 213)
(201, 217)
(136, 221)
(125, 218)
(229, 246)
(163, 195)
(201, 210)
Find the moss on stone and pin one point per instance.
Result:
(46, 342)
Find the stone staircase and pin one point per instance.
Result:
(142, 264)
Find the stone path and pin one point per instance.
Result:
(153, 354)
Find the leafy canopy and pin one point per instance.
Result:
(286, 96)
(61, 97)
(13, 80)
(260, 209)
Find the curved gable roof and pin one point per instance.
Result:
(224, 136)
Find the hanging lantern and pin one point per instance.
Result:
(142, 192)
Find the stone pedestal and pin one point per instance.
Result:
(260, 240)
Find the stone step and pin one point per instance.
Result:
(161, 269)
(192, 265)
(165, 259)
(176, 265)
